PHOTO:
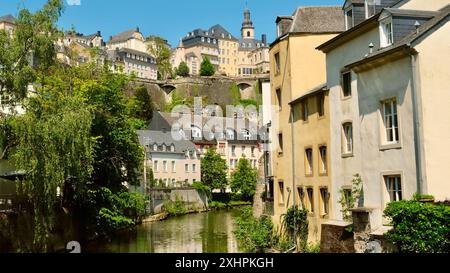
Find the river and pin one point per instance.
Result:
(210, 232)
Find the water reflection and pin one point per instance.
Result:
(210, 232)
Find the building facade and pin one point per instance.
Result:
(231, 56)
(134, 62)
(387, 75)
(175, 163)
(301, 168)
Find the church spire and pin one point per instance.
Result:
(247, 30)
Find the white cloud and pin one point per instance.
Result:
(74, 2)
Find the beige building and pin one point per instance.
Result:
(301, 168)
(175, 163)
(7, 23)
(387, 76)
(231, 56)
(131, 39)
(133, 62)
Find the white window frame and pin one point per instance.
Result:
(350, 8)
(347, 137)
(394, 119)
(386, 34)
(393, 187)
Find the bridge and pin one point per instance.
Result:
(244, 83)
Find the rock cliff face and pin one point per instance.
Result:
(214, 90)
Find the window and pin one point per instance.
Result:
(278, 93)
(230, 134)
(277, 63)
(323, 160)
(371, 7)
(347, 84)
(194, 168)
(349, 18)
(156, 166)
(165, 166)
(394, 187)
(325, 204)
(386, 32)
(233, 150)
(248, 33)
(305, 110)
(309, 161)
(281, 193)
(348, 138)
(253, 151)
(231, 163)
(243, 150)
(321, 105)
(347, 193)
(310, 193)
(186, 168)
(280, 144)
(390, 121)
(174, 166)
(301, 197)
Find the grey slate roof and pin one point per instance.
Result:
(318, 20)
(411, 39)
(149, 138)
(412, 13)
(123, 36)
(316, 90)
(8, 18)
(219, 30)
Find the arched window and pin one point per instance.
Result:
(248, 33)
(196, 132)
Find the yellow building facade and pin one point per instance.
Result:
(298, 73)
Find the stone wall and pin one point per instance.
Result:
(335, 238)
(189, 196)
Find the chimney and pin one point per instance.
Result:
(99, 33)
(264, 39)
(137, 29)
(371, 46)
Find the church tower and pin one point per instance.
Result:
(247, 30)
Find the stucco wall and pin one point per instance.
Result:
(424, 5)
(345, 110)
(391, 80)
(434, 77)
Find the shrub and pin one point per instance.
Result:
(207, 68)
(254, 235)
(295, 224)
(183, 70)
(419, 227)
(175, 208)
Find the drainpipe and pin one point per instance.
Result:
(293, 154)
(417, 105)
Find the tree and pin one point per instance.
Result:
(158, 48)
(183, 70)
(243, 180)
(55, 149)
(214, 170)
(141, 105)
(33, 40)
(207, 68)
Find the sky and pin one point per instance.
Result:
(170, 19)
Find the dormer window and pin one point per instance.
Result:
(203, 39)
(349, 18)
(386, 32)
(371, 7)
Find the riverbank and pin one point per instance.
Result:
(214, 206)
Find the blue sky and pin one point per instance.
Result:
(171, 19)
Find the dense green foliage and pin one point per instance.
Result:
(183, 70)
(141, 105)
(76, 142)
(33, 40)
(295, 224)
(207, 68)
(419, 227)
(214, 170)
(243, 179)
(175, 208)
(254, 235)
(202, 188)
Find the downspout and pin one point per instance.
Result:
(291, 118)
(417, 104)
